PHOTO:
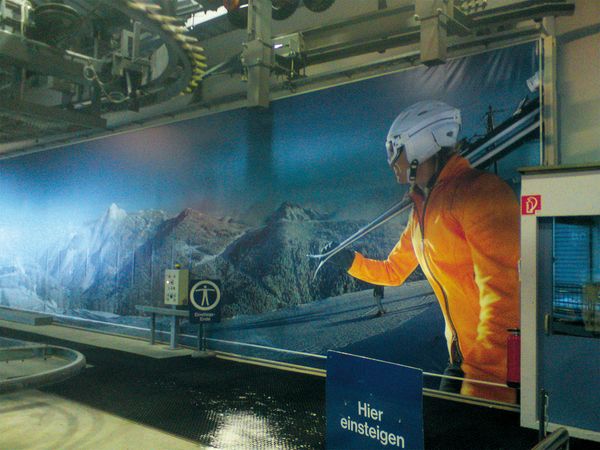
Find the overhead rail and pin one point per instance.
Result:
(383, 41)
(394, 27)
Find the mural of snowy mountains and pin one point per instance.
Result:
(98, 250)
(117, 262)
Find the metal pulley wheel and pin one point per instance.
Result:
(237, 10)
(54, 22)
(318, 5)
(282, 9)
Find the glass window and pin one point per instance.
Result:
(576, 287)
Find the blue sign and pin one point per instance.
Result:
(205, 301)
(373, 404)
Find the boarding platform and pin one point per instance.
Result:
(73, 335)
(26, 317)
(211, 403)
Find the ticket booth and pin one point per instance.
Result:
(560, 307)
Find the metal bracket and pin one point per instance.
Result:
(128, 57)
(433, 35)
(257, 53)
(456, 23)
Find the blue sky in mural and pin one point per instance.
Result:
(323, 150)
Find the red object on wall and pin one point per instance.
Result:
(513, 360)
(530, 204)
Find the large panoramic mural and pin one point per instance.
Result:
(244, 196)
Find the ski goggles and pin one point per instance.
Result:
(393, 150)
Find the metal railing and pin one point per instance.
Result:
(558, 440)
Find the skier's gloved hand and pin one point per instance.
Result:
(343, 259)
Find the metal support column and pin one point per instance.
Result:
(543, 414)
(434, 36)
(153, 329)
(201, 345)
(201, 350)
(550, 148)
(174, 332)
(257, 56)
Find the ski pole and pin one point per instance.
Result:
(390, 213)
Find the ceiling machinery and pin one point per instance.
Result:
(74, 70)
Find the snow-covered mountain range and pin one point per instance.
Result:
(118, 261)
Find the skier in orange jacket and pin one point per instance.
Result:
(464, 233)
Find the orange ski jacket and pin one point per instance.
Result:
(465, 236)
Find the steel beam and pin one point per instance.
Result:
(394, 27)
(51, 114)
(258, 52)
(495, 12)
(495, 23)
(550, 148)
(378, 31)
(40, 58)
(434, 36)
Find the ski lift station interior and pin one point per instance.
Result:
(167, 167)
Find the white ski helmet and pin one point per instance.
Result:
(422, 130)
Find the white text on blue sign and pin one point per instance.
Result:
(372, 431)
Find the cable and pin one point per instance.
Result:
(90, 74)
